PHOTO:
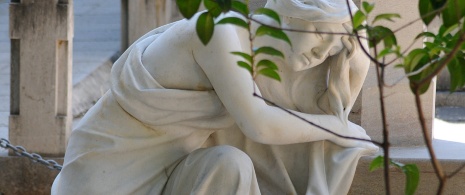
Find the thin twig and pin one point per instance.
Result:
(406, 25)
(420, 18)
(303, 31)
(385, 143)
(449, 58)
(316, 125)
(402, 54)
(358, 37)
(252, 53)
(456, 171)
(413, 21)
(380, 77)
(411, 73)
(429, 144)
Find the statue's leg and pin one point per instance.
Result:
(214, 170)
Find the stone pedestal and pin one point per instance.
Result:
(140, 16)
(400, 105)
(41, 59)
(21, 176)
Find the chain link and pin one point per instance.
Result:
(36, 158)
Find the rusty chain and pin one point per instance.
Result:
(36, 158)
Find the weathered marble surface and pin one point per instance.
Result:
(170, 94)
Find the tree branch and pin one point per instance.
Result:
(426, 136)
(302, 31)
(444, 63)
(380, 78)
(456, 171)
(311, 123)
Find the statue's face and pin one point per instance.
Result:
(311, 49)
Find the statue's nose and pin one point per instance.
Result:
(328, 48)
(320, 52)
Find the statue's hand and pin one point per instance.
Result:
(347, 43)
(339, 94)
(354, 130)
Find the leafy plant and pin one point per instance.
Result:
(205, 28)
(411, 172)
(445, 48)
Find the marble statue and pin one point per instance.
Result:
(180, 117)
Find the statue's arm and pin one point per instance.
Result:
(258, 121)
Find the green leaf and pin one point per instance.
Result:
(462, 73)
(437, 3)
(454, 12)
(425, 34)
(368, 7)
(426, 9)
(415, 60)
(424, 88)
(235, 21)
(273, 32)
(213, 7)
(268, 64)
(225, 5)
(385, 52)
(412, 174)
(270, 13)
(269, 51)
(415, 57)
(243, 55)
(359, 17)
(386, 17)
(240, 7)
(396, 164)
(270, 73)
(205, 27)
(381, 33)
(450, 29)
(188, 7)
(430, 45)
(246, 66)
(377, 163)
(456, 77)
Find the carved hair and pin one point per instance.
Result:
(332, 11)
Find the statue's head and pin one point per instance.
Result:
(332, 11)
(312, 49)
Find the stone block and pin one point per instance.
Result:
(402, 116)
(366, 182)
(444, 81)
(140, 16)
(21, 176)
(444, 98)
(401, 113)
(41, 55)
(99, 81)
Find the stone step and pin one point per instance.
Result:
(451, 156)
(24, 175)
(98, 80)
(446, 98)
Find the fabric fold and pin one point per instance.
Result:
(146, 100)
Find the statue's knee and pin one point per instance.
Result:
(230, 158)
